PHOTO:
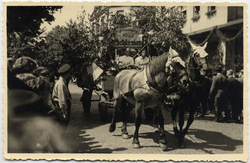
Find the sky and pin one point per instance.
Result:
(67, 12)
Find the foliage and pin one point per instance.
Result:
(23, 30)
(80, 45)
(26, 20)
(163, 26)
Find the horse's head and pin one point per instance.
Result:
(198, 59)
(177, 66)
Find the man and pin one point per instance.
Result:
(86, 82)
(241, 79)
(233, 95)
(126, 60)
(61, 95)
(142, 60)
(218, 91)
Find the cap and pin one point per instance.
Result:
(64, 69)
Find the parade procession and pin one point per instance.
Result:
(160, 79)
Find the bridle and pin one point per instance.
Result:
(200, 63)
(173, 69)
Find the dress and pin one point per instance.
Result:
(62, 98)
(141, 62)
(218, 91)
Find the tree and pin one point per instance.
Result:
(163, 26)
(26, 20)
(23, 30)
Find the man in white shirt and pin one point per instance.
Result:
(126, 60)
(142, 60)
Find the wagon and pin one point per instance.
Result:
(106, 94)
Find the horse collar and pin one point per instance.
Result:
(152, 82)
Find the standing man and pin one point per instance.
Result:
(142, 60)
(218, 91)
(61, 95)
(233, 95)
(86, 82)
(126, 60)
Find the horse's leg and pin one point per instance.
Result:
(126, 112)
(117, 104)
(155, 124)
(163, 140)
(138, 111)
(173, 115)
(190, 118)
(181, 123)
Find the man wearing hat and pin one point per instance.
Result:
(218, 91)
(61, 95)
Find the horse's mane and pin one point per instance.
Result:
(158, 64)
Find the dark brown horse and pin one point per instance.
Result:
(193, 96)
(145, 89)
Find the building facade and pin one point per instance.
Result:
(201, 20)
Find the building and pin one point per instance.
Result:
(128, 34)
(201, 20)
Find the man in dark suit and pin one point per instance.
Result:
(233, 95)
(218, 91)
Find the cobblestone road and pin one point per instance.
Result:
(87, 134)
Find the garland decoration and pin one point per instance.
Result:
(222, 37)
(219, 34)
(203, 42)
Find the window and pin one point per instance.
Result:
(196, 10)
(211, 8)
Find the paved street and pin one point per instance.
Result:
(87, 134)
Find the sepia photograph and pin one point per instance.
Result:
(125, 81)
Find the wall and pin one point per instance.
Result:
(204, 22)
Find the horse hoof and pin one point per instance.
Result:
(125, 136)
(136, 146)
(112, 128)
(164, 147)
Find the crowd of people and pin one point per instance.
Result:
(225, 95)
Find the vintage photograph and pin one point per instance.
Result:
(106, 81)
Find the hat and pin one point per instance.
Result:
(218, 68)
(24, 65)
(64, 69)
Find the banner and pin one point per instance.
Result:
(95, 70)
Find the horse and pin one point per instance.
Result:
(196, 93)
(145, 89)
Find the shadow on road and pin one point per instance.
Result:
(208, 141)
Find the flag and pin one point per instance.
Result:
(95, 70)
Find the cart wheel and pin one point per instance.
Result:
(149, 113)
(103, 110)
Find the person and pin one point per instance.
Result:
(218, 92)
(142, 60)
(86, 82)
(241, 80)
(233, 95)
(61, 95)
(126, 60)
